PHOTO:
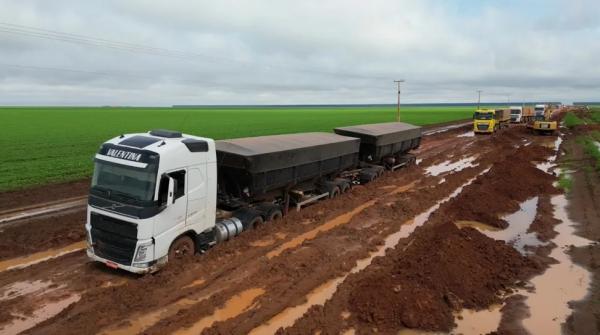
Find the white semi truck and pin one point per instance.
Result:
(161, 195)
(516, 114)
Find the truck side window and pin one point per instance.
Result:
(162, 191)
(179, 177)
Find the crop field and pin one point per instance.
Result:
(43, 145)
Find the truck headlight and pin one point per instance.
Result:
(144, 252)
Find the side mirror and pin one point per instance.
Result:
(171, 192)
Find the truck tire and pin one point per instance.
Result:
(343, 184)
(250, 218)
(270, 212)
(334, 192)
(367, 176)
(182, 248)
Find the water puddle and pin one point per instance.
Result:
(484, 321)
(21, 288)
(262, 243)
(448, 166)
(418, 161)
(195, 283)
(233, 307)
(547, 167)
(337, 221)
(44, 313)
(563, 282)
(322, 293)
(467, 134)
(518, 223)
(21, 262)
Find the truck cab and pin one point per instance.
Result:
(516, 114)
(540, 111)
(484, 121)
(147, 191)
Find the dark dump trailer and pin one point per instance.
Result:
(263, 168)
(386, 144)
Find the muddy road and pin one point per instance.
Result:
(472, 239)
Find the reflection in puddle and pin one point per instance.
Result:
(233, 307)
(447, 166)
(518, 223)
(342, 219)
(21, 262)
(44, 313)
(561, 283)
(324, 292)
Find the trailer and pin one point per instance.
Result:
(385, 143)
(165, 195)
(488, 121)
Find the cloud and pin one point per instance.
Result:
(277, 52)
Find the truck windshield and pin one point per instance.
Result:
(483, 116)
(124, 183)
(515, 111)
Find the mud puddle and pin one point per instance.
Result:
(562, 282)
(21, 262)
(518, 223)
(324, 292)
(447, 166)
(233, 307)
(467, 134)
(22, 288)
(47, 311)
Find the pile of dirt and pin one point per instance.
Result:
(502, 189)
(422, 284)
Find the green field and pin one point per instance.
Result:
(52, 144)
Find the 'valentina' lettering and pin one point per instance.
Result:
(130, 156)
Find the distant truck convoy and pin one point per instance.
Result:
(161, 195)
(487, 121)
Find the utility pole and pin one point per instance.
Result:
(479, 98)
(398, 111)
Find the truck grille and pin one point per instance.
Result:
(113, 239)
(482, 126)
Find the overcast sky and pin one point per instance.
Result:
(132, 52)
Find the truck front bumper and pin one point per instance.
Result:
(139, 268)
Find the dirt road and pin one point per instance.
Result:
(458, 242)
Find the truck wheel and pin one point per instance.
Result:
(367, 176)
(250, 218)
(275, 214)
(344, 187)
(334, 192)
(182, 248)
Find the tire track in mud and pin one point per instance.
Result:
(211, 265)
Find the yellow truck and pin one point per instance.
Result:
(487, 121)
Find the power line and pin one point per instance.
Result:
(86, 40)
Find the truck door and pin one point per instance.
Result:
(174, 215)
(197, 184)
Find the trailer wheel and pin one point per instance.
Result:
(334, 192)
(367, 176)
(344, 187)
(275, 214)
(182, 248)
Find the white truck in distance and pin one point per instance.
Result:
(161, 195)
(516, 114)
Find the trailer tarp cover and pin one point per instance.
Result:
(382, 133)
(266, 153)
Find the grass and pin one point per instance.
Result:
(571, 120)
(565, 182)
(53, 144)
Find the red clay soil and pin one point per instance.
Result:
(424, 285)
(42, 194)
(502, 189)
(42, 234)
